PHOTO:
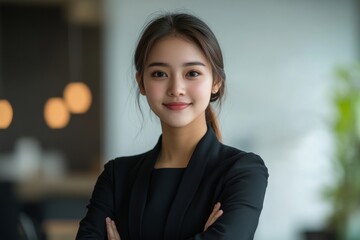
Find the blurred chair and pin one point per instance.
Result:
(9, 210)
(14, 224)
(27, 229)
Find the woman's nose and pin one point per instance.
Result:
(176, 87)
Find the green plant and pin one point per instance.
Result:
(345, 193)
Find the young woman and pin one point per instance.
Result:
(190, 185)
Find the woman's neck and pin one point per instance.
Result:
(178, 144)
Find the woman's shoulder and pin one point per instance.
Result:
(237, 158)
(121, 169)
(125, 162)
(239, 166)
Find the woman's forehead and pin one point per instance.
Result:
(176, 49)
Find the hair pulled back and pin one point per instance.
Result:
(198, 32)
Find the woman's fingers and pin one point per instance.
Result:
(111, 230)
(215, 214)
(215, 210)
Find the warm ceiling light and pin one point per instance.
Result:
(77, 96)
(6, 114)
(56, 113)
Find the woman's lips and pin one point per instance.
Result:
(176, 105)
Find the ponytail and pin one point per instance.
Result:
(212, 121)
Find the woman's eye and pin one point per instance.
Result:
(159, 74)
(193, 74)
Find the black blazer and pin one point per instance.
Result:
(215, 172)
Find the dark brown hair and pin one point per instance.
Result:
(197, 31)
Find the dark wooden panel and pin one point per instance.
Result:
(35, 68)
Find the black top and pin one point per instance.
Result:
(162, 189)
(215, 173)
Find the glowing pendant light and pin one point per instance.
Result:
(6, 111)
(56, 113)
(77, 95)
(6, 114)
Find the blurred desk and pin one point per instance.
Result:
(57, 204)
(61, 229)
(38, 188)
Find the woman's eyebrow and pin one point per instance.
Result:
(193, 64)
(162, 64)
(158, 64)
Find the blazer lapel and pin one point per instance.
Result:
(206, 149)
(140, 191)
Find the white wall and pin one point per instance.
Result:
(279, 58)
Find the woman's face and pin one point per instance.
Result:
(177, 82)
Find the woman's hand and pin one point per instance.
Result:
(216, 213)
(112, 232)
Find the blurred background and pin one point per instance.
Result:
(67, 106)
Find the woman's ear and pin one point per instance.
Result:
(140, 83)
(216, 86)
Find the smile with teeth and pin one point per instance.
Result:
(176, 105)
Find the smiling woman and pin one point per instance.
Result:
(177, 82)
(192, 184)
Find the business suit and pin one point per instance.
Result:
(215, 172)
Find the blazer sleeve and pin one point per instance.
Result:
(242, 199)
(101, 205)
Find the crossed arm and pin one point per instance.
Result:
(241, 203)
(113, 234)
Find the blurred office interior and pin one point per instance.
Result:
(282, 61)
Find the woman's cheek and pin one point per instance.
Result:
(203, 89)
(154, 89)
(154, 94)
